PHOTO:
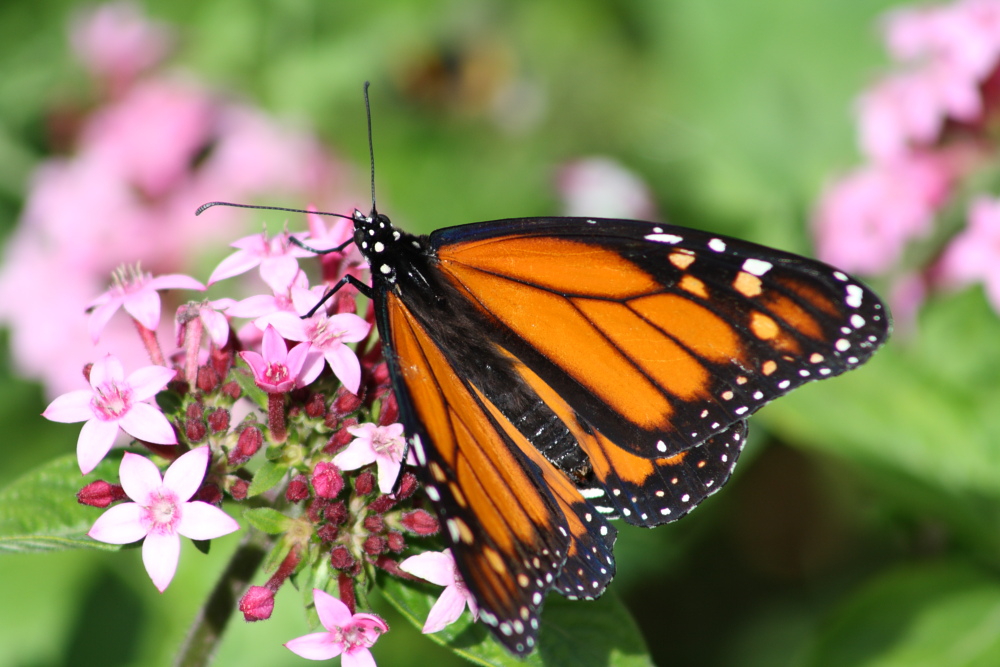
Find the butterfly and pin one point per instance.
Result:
(553, 374)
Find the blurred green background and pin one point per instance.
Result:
(861, 528)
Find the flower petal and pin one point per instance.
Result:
(358, 657)
(120, 524)
(358, 453)
(100, 316)
(256, 363)
(216, 325)
(345, 365)
(144, 306)
(279, 272)
(146, 382)
(388, 471)
(175, 281)
(201, 521)
(139, 477)
(437, 567)
(71, 407)
(106, 370)
(147, 423)
(94, 443)
(239, 262)
(331, 611)
(160, 553)
(273, 347)
(185, 475)
(352, 327)
(446, 610)
(312, 366)
(317, 646)
(288, 324)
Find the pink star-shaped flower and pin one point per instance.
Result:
(162, 512)
(974, 254)
(211, 314)
(327, 333)
(438, 567)
(279, 370)
(347, 635)
(277, 258)
(136, 291)
(114, 401)
(383, 445)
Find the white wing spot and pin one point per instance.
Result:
(842, 345)
(379, 246)
(385, 269)
(718, 245)
(661, 446)
(757, 267)
(854, 295)
(857, 321)
(664, 238)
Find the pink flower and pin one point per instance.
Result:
(974, 255)
(116, 42)
(276, 257)
(327, 333)
(383, 445)
(601, 187)
(162, 512)
(112, 402)
(910, 109)
(212, 318)
(864, 221)
(335, 264)
(438, 567)
(279, 370)
(349, 635)
(136, 291)
(964, 34)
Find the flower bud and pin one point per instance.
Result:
(345, 403)
(316, 406)
(340, 558)
(382, 504)
(364, 484)
(374, 545)
(298, 489)
(208, 379)
(420, 522)
(100, 494)
(396, 541)
(407, 486)
(247, 445)
(239, 488)
(336, 513)
(218, 420)
(374, 523)
(257, 604)
(326, 480)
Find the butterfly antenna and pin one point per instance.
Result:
(371, 149)
(210, 204)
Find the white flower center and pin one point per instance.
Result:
(163, 511)
(386, 444)
(324, 337)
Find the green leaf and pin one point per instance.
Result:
(269, 474)
(39, 511)
(926, 616)
(578, 633)
(267, 520)
(245, 380)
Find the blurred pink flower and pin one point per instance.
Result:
(146, 159)
(864, 220)
(114, 402)
(438, 567)
(599, 187)
(162, 511)
(115, 42)
(963, 34)
(155, 162)
(974, 254)
(347, 635)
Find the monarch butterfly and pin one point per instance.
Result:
(555, 373)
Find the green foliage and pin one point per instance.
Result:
(267, 520)
(39, 511)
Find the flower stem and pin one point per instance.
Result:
(152, 344)
(206, 632)
(276, 418)
(192, 342)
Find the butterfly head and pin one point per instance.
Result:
(376, 238)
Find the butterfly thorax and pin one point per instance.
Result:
(387, 249)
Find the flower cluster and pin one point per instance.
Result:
(927, 130)
(279, 401)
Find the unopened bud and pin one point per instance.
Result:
(257, 604)
(326, 480)
(420, 522)
(298, 489)
(374, 523)
(247, 445)
(364, 484)
(340, 558)
(100, 494)
(239, 488)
